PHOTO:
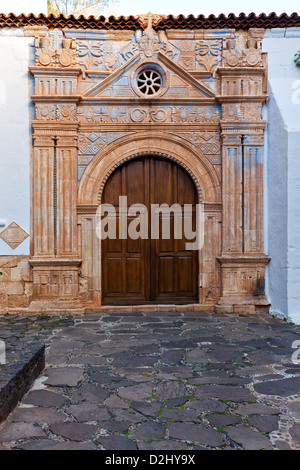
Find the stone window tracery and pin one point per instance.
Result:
(149, 81)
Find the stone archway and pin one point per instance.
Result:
(209, 194)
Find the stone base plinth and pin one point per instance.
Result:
(51, 307)
(243, 305)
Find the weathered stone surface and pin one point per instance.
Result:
(116, 442)
(88, 412)
(196, 416)
(35, 414)
(14, 431)
(196, 356)
(127, 415)
(282, 388)
(264, 423)
(74, 431)
(64, 346)
(91, 393)
(169, 444)
(207, 405)
(248, 439)
(135, 361)
(180, 415)
(115, 426)
(173, 356)
(294, 409)
(136, 392)
(171, 389)
(87, 359)
(226, 353)
(228, 393)
(47, 444)
(295, 434)
(174, 402)
(44, 398)
(101, 378)
(220, 420)
(196, 434)
(24, 361)
(63, 376)
(219, 381)
(147, 409)
(256, 409)
(148, 431)
(115, 402)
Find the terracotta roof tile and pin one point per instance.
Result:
(241, 21)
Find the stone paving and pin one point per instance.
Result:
(158, 381)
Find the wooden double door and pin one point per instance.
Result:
(155, 267)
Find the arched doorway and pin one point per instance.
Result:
(149, 269)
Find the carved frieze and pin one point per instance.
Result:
(90, 143)
(146, 114)
(54, 112)
(194, 114)
(98, 55)
(241, 111)
(207, 142)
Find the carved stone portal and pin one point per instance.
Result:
(92, 113)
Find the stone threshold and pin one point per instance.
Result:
(150, 308)
(24, 361)
(54, 308)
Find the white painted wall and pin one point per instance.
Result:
(282, 184)
(14, 135)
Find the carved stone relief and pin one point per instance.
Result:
(207, 142)
(14, 235)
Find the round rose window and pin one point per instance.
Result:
(149, 82)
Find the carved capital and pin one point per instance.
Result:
(43, 141)
(229, 139)
(254, 139)
(67, 141)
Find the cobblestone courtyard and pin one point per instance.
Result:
(158, 381)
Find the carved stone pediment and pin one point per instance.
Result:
(175, 82)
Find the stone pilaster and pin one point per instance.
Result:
(43, 196)
(66, 195)
(242, 260)
(55, 260)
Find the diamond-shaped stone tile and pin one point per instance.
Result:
(14, 235)
(94, 136)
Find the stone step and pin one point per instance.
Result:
(21, 363)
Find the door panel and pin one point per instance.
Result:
(150, 270)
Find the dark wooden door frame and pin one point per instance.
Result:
(153, 256)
